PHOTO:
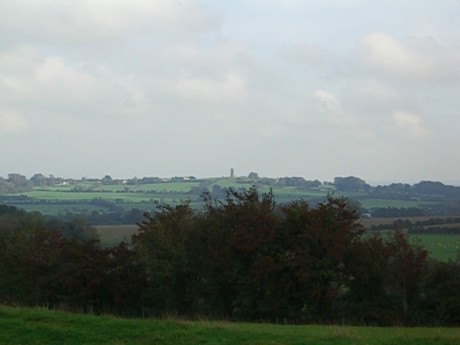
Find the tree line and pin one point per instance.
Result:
(449, 225)
(242, 258)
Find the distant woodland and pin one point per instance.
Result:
(17, 183)
(123, 201)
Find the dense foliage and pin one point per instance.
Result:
(244, 258)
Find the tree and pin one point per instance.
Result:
(125, 281)
(386, 280)
(253, 227)
(246, 259)
(350, 184)
(253, 176)
(366, 299)
(106, 180)
(441, 293)
(318, 242)
(17, 179)
(38, 180)
(161, 244)
(406, 264)
(15, 183)
(27, 259)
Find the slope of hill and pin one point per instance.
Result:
(40, 326)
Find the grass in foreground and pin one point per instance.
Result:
(40, 326)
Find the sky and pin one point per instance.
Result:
(317, 89)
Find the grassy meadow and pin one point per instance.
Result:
(88, 195)
(74, 197)
(441, 247)
(40, 326)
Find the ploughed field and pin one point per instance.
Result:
(41, 326)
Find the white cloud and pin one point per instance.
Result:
(231, 88)
(410, 123)
(12, 122)
(303, 54)
(328, 101)
(115, 17)
(372, 96)
(414, 59)
(99, 21)
(385, 52)
(31, 80)
(59, 79)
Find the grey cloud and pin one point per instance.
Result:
(415, 59)
(51, 82)
(98, 22)
(303, 54)
(170, 87)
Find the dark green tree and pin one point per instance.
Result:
(162, 245)
(441, 293)
(318, 241)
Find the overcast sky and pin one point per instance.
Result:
(318, 88)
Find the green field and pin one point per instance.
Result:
(81, 192)
(442, 247)
(167, 191)
(164, 187)
(40, 326)
(62, 199)
(74, 196)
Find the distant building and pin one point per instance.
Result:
(232, 173)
